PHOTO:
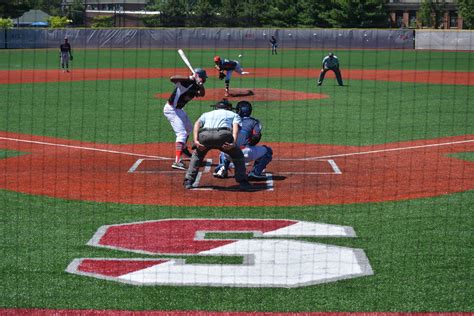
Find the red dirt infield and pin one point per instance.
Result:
(257, 94)
(53, 75)
(301, 174)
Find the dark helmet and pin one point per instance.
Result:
(244, 108)
(331, 54)
(201, 72)
(223, 104)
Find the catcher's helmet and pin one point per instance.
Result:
(244, 108)
(223, 104)
(201, 73)
(217, 59)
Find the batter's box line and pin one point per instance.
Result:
(332, 163)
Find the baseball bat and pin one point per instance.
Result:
(186, 60)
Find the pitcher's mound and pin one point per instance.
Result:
(258, 94)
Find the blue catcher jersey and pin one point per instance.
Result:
(250, 126)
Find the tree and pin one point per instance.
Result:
(431, 13)
(227, 12)
(311, 13)
(281, 13)
(76, 12)
(102, 21)
(58, 21)
(13, 10)
(357, 13)
(6, 23)
(203, 13)
(466, 9)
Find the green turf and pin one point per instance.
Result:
(362, 113)
(5, 153)
(420, 250)
(302, 58)
(469, 156)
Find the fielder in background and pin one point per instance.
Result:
(65, 54)
(248, 138)
(330, 62)
(226, 67)
(217, 129)
(274, 44)
(186, 88)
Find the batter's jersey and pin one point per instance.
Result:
(184, 92)
(227, 64)
(250, 127)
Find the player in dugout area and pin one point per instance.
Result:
(330, 62)
(249, 136)
(217, 129)
(185, 89)
(226, 67)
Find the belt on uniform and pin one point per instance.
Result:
(215, 129)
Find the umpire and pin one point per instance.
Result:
(217, 129)
(330, 62)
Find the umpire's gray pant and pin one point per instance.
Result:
(214, 139)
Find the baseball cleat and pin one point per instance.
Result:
(245, 72)
(257, 177)
(178, 165)
(246, 186)
(188, 184)
(221, 173)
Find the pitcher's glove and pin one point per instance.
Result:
(221, 75)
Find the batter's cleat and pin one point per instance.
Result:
(186, 152)
(188, 184)
(178, 165)
(257, 177)
(221, 173)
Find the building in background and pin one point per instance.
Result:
(404, 13)
(125, 13)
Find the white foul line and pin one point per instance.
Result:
(84, 148)
(378, 151)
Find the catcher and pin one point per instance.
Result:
(330, 62)
(249, 136)
(225, 68)
(65, 55)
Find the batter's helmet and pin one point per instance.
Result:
(217, 59)
(331, 54)
(244, 108)
(201, 73)
(223, 104)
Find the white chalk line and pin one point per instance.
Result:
(277, 159)
(377, 151)
(84, 148)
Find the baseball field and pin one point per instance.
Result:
(368, 204)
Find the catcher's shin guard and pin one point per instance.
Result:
(261, 163)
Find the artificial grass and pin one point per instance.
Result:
(6, 153)
(420, 251)
(252, 58)
(362, 113)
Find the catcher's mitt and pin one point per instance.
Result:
(221, 75)
(71, 58)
